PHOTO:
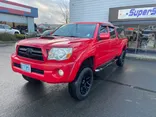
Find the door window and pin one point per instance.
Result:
(103, 29)
(112, 32)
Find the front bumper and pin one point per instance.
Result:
(44, 71)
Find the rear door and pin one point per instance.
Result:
(114, 42)
(121, 35)
(102, 47)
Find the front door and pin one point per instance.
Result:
(102, 48)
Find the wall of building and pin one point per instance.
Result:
(12, 18)
(12, 12)
(98, 10)
(31, 27)
(29, 21)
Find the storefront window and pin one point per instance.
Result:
(141, 37)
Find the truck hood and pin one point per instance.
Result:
(57, 42)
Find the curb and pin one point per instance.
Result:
(141, 57)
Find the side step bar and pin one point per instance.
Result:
(105, 65)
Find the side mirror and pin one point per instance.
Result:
(104, 36)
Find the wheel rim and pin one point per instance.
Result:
(86, 83)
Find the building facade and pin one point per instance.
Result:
(138, 18)
(98, 10)
(15, 14)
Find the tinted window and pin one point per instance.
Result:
(112, 32)
(103, 29)
(1, 27)
(76, 30)
(121, 33)
(7, 27)
(47, 33)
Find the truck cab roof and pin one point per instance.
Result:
(105, 23)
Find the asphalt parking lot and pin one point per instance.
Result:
(117, 92)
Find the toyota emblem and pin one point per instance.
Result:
(29, 51)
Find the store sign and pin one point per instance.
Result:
(8, 7)
(135, 13)
(14, 8)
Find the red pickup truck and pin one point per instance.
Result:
(71, 54)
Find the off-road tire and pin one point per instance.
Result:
(121, 59)
(80, 88)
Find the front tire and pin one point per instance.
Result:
(80, 88)
(31, 80)
(121, 59)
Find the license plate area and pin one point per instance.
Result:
(26, 67)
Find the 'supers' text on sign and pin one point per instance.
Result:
(134, 13)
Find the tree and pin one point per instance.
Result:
(64, 10)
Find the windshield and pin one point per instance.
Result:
(7, 27)
(47, 33)
(76, 30)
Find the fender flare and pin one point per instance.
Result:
(123, 46)
(85, 55)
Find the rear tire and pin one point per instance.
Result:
(31, 80)
(121, 59)
(80, 88)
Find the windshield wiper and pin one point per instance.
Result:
(64, 36)
(72, 36)
(55, 35)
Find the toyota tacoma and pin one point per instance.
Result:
(71, 54)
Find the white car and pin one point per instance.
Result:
(7, 29)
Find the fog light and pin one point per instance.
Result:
(60, 72)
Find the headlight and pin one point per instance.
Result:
(60, 53)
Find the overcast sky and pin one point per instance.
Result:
(49, 11)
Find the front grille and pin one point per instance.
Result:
(30, 52)
(34, 70)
